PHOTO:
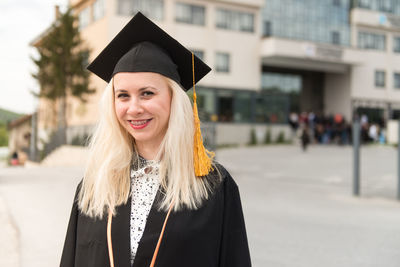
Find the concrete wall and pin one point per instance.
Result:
(307, 55)
(337, 95)
(374, 19)
(253, 3)
(239, 134)
(392, 133)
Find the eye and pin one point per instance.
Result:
(122, 95)
(147, 93)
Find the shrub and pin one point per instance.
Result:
(281, 138)
(267, 138)
(253, 137)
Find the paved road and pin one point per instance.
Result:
(298, 207)
(300, 211)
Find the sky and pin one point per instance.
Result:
(21, 21)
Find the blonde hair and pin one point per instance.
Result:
(106, 183)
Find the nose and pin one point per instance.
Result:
(135, 107)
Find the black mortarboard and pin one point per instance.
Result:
(142, 46)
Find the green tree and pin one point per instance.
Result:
(61, 65)
(3, 135)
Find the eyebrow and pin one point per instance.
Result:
(141, 89)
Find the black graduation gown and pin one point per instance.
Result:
(211, 236)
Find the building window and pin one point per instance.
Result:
(280, 83)
(380, 78)
(153, 9)
(396, 44)
(84, 18)
(222, 62)
(191, 14)
(310, 20)
(385, 5)
(235, 20)
(271, 108)
(206, 103)
(335, 37)
(389, 6)
(267, 30)
(242, 107)
(280, 93)
(371, 41)
(396, 80)
(199, 54)
(225, 105)
(364, 3)
(98, 10)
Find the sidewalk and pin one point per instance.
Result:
(9, 238)
(39, 200)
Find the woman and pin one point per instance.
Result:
(151, 195)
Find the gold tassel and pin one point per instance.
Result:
(202, 157)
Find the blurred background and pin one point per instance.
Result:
(276, 65)
(289, 79)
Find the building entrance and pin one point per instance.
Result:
(304, 90)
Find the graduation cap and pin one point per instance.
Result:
(142, 46)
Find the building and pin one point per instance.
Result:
(269, 58)
(344, 55)
(19, 140)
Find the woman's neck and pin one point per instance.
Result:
(147, 151)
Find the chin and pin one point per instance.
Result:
(141, 137)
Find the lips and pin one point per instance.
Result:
(139, 124)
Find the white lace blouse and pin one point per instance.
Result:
(144, 187)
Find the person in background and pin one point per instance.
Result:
(294, 123)
(14, 159)
(305, 137)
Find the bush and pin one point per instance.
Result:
(267, 138)
(253, 137)
(281, 138)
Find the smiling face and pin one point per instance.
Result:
(142, 105)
